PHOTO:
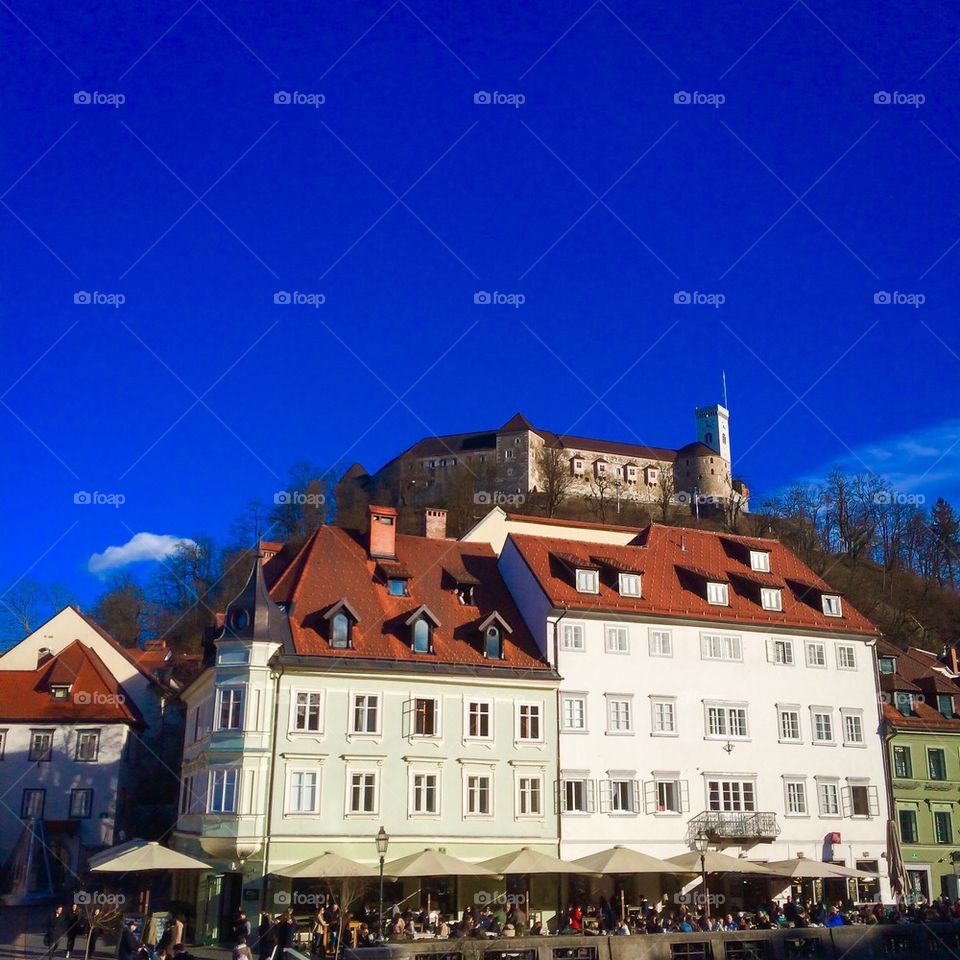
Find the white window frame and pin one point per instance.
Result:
(832, 604)
(356, 771)
(289, 809)
(780, 652)
(671, 731)
(816, 711)
(718, 594)
(679, 786)
(724, 709)
(852, 714)
(633, 795)
(523, 778)
(239, 691)
(468, 704)
(760, 561)
(782, 710)
(622, 634)
(587, 581)
(576, 627)
(799, 790)
(811, 645)
(730, 646)
(740, 782)
(354, 696)
(87, 735)
(655, 639)
(619, 698)
(631, 585)
(413, 773)
(587, 789)
(849, 648)
(573, 696)
(771, 598)
(213, 788)
(294, 710)
(828, 794)
(518, 728)
(473, 773)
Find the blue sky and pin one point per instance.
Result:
(777, 184)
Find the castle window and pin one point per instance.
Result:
(760, 561)
(508, 454)
(651, 475)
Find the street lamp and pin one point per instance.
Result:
(700, 842)
(382, 841)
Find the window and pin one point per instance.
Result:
(186, 795)
(340, 631)
(669, 796)
(529, 797)
(789, 724)
(731, 795)
(479, 795)
(616, 639)
(717, 594)
(908, 826)
(425, 796)
(846, 657)
(303, 795)
(936, 763)
(770, 598)
(41, 745)
(760, 561)
(629, 585)
(715, 646)
(223, 790)
(831, 605)
(829, 793)
(528, 722)
(508, 454)
(945, 705)
(727, 722)
(366, 713)
(363, 793)
(230, 708)
(396, 587)
(574, 713)
(588, 581)
(492, 643)
(822, 725)
(852, 729)
(478, 720)
(576, 796)
(571, 636)
(308, 711)
(888, 665)
(942, 826)
(903, 702)
(59, 691)
(661, 643)
(3, 744)
(619, 715)
(664, 716)
(902, 763)
(425, 717)
(780, 651)
(623, 796)
(81, 804)
(796, 796)
(88, 745)
(32, 804)
(816, 653)
(421, 635)
(861, 800)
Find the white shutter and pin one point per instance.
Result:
(606, 798)
(873, 801)
(846, 802)
(650, 796)
(771, 650)
(591, 797)
(558, 798)
(705, 646)
(407, 715)
(635, 796)
(684, 796)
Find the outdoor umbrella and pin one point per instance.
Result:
(328, 866)
(526, 860)
(716, 862)
(801, 868)
(851, 872)
(432, 863)
(898, 872)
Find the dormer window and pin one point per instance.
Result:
(59, 691)
(588, 581)
(493, 643)
(421, 636)
(396, 587)
(717, 594)
(904, 703)
(576, 465)
(760, 561)
(831, 605)
(945, 705)
(340, 631)
(651, 475)
(888, 664)
(771, 598)
(601, 467)
(629, 584)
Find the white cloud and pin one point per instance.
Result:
(141, 546)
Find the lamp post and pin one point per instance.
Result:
(700, 841)
(382, 841)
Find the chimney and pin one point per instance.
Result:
(954, 665)
(433, 523)
(383, 533)
(43, 655)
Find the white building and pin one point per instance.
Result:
(710, 683)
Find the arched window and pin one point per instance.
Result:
(340, 631)
(493, 646)
(239, 619)
(421, 636)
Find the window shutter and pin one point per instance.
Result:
(845, 801)
(650, 796)
(684, 796)
(873, 801)
(559, 796)
(591, 786)
(635, 796)
(788, 651)
(704, 646)
(409, 706)
(606, 799)
(771, 651)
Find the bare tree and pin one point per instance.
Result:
(20, 609)
(665, 492)
(554, 477)
(601, 491)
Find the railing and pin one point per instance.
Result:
(728, 825)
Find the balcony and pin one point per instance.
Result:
(722, 825)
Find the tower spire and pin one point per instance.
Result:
(723, 374)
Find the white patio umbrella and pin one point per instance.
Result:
(624, 860)
(802, 868)
(328, 866)
(432, 863)
(716, 862)
(851, 872)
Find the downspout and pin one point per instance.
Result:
(886, 735)
(556, 666)
(268, 822)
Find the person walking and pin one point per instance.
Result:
(56, 927)
(130, 943)
(74, 926)
(264, 940)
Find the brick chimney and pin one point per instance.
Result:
(383, 533)
(952, 654)
(433, 523)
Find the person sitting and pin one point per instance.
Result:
(835, 919)
(364, 936)
(621, 929)
(241, 951)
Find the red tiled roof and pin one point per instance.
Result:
(920, 673)
(95, 694)
(664, 553)
(579, 524)
(334, 565)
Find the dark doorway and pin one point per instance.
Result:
(230, 893)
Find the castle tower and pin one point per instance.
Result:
(713, 429)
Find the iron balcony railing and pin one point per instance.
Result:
(729, 825)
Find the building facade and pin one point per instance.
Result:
(381, 680)
(711, 684)
(922, 736)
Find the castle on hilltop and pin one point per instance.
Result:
(508, 464)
